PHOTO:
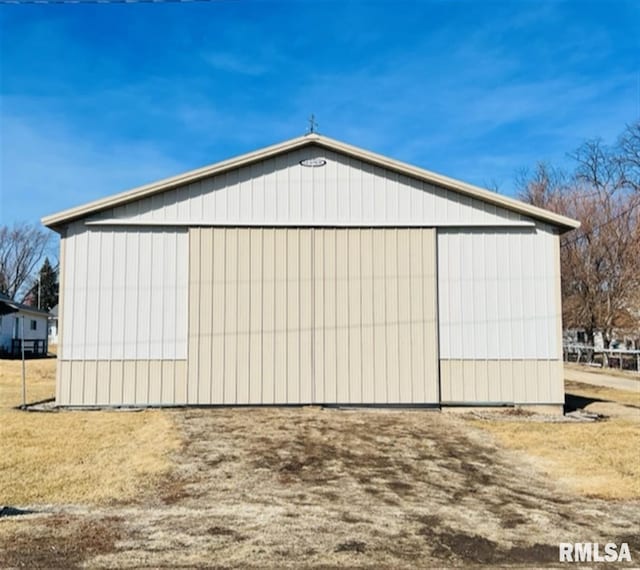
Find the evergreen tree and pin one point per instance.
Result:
(48, 287)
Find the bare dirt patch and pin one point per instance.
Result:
(64, 541)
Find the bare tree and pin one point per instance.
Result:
(22, 248)
(600, 264)
(629, 155)
(542, 187)
(600, 260)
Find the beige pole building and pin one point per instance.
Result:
(309, 272)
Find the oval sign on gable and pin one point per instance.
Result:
(313, 162)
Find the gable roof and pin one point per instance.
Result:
(8, 305)
(54, 221)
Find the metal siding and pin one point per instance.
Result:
(126, 294)
(155, 382)
(319, 335)
(103, 382)
(346, 191)
(305, 315)
(280, 353)
(216, 393)
(180, 380)
(497, 294)
(195, 260)
(299, 307)
(128, 381)
(354, 318)
(518, 381)
(268, 316)
(116, 382)
(142, 382)
(122, 382)
(499, 311)
(63, 270)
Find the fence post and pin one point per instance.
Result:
(24, 383)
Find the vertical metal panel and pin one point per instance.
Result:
(292, 261)
(243, 315)
(329, 331)
(518, 381)
(90, 382)
(61, 315)
(142, 382)
(103, 382)
(269, 287)
(128, 381)
(345, 191)
(126, 294)
(255, 321)
(76, 383)
(301, 308)
(122, 382)
(180, 379)
(217, 338)
(497, 294)
(354, 317)
(418, 315)
(116, 382)
(305, 316)
(132, 298)
(205, 325)
(430, 324)
(280, 376)
(405, 316)
(229, 369)
(380, 356)
(168, 395)
(342, 391)
(390, 325)
(195, 283)
(155, 382)
(319, 336)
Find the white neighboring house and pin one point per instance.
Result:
(53, 325)
(35, 329)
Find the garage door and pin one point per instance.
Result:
(303, 316)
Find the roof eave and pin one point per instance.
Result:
(56, 221)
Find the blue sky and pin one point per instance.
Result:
(96, 99)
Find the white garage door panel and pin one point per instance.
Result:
(300, 315)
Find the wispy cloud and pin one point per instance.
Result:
(230, 62)
(46, 168)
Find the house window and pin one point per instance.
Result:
(34, 325)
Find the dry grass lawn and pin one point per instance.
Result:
(628, 374)
(599, 459)
(603, 393)
(75, 457)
